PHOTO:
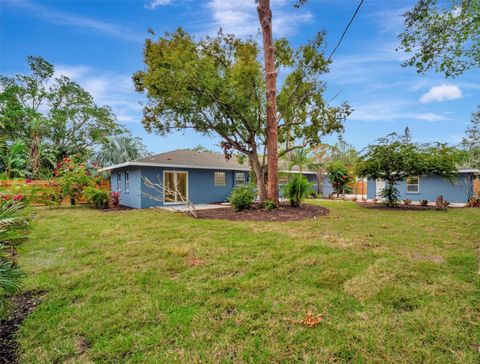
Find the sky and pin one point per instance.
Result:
(99, 44)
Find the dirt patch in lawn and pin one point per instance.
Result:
(380, 206)
(258, 213)
(21, 306)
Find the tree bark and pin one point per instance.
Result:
(35, 154)
(260, 176)
(265, 18)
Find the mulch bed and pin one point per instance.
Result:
(117, 209)
(381, 206)
(21, 306)
(258, 213)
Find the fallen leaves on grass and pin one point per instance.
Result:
(194, 262)
(310, 320)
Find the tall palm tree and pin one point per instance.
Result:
(118, 149)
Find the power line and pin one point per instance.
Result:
(345, 30)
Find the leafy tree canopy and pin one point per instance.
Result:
(394, 158)
(471, 141)
(442, 35)
(53, 116)
(217, 86)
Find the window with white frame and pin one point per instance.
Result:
(282, 180)
(239, 179)
(127, 182)
(413, 184)
(119, 181)
(219, 179)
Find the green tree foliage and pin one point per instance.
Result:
(442, 35)
(72, 178)
(53, 116)
(339, 176)
(118, 149)
(471, 141)
(217, 86)
(302, 158)
(297, 189)
(393, 159)
(13, 159)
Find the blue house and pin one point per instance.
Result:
(203, 177)
(417, 188)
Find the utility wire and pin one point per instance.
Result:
(345, 30)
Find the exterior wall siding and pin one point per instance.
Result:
(132, 196)
(327, 188)
(430, 187)
(201, 187)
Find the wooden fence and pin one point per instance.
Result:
(360, 188)
(476, 186)
(39, 188)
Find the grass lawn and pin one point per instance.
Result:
(145, 286)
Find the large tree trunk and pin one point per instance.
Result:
(260, 176)
(265, 18)
(35, 154)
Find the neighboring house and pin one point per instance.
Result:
(203, 177)
(417, 188)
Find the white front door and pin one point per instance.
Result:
(379, 186)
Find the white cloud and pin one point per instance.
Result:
(69, 19)
(441, 93)
(156, 3)
(240, 17)
(391, 110)
(107, 88)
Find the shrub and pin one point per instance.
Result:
(72, 179)
(14, 217)
(269, 205)
(97, 197)
(390, 194)
(407, 202)
(115, 199)
(297, 189)
(424, 202)
(339, 177)
(241, 197)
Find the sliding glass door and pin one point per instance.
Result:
(176, 186)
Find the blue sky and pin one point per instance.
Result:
(99, 44)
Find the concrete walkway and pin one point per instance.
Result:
(198, 207)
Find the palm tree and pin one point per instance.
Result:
(14, 217)
(118, 149)
(301, 158)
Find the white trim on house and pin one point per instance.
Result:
(174, 171)
(146, 164)
(412, 184)
(243, 179)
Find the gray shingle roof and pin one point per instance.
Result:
(196, 159)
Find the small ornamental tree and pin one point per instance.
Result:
(72, 179)
(339, 176)
(394, 158)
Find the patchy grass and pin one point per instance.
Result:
(151, 287)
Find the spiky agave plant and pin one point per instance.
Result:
(14, 218)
